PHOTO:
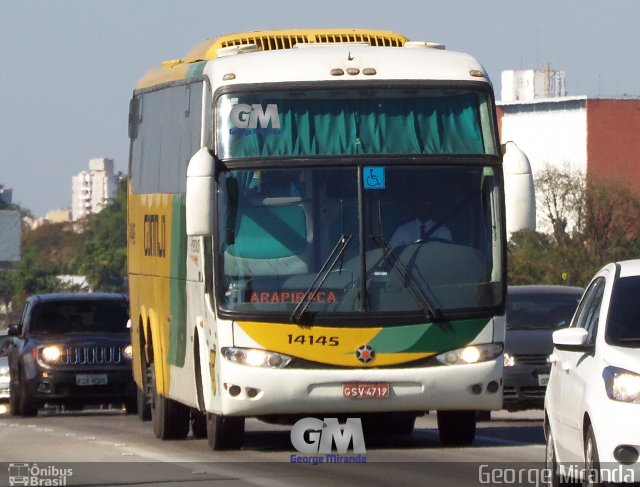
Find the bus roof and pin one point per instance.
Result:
(266, 40)
(318, 54)
(344, 63)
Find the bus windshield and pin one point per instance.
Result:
(301, 123)
(372, 239)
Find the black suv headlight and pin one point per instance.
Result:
(49, 355)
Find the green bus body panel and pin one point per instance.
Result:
(177, 283)
(430, 337)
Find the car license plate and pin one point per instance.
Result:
(366, 390)
(543, 379)
(91, 379)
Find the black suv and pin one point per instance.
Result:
(71, 349)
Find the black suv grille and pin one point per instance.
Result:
(91, 355)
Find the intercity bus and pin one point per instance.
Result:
(269, 172)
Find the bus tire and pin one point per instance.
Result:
(170, 419)
(225, 432)
(143, 405)
(143, 394)
(457, 428)
(198, 424)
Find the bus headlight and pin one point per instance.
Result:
(51, 354)
(621, 385)
(471, 354)
(256, 358)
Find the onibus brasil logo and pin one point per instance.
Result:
(33, 474)
(253, 119)
(314, 439)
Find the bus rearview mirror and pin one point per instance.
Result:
(199, 198)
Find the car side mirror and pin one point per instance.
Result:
(572, 340)
(14, 330)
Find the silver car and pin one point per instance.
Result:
(5, 344)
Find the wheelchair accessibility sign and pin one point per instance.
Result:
(373, 177)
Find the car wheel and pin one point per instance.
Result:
(457, 428)
(591, 462)
(14, 399)
(170, 419)
(27, 407)
(551, 463)
(225, 432)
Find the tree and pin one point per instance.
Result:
(104, 254)
(560, 199)
(588, 224)
(612, 221)
(7, 291)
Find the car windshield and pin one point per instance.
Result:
(623, 322)
(540, 310)
(80, 316)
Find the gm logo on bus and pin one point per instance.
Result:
(315, 438)
(254, 119)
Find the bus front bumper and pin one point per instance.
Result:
(254, 391)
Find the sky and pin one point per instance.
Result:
(69, 66)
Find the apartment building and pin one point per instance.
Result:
(92, 189)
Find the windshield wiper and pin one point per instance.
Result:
(423, 297)
(322, 275)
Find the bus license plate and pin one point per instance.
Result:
(91, 379)
(366, 390)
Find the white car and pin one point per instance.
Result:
(592, 404)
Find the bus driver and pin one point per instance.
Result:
(421, 228)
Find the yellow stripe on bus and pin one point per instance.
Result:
(326, 345)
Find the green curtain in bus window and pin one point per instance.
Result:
(270, 232)
(425, 125)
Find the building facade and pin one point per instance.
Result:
(596, 136)
(92, 189)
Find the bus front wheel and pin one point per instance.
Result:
(225, 432)
(457, 428)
